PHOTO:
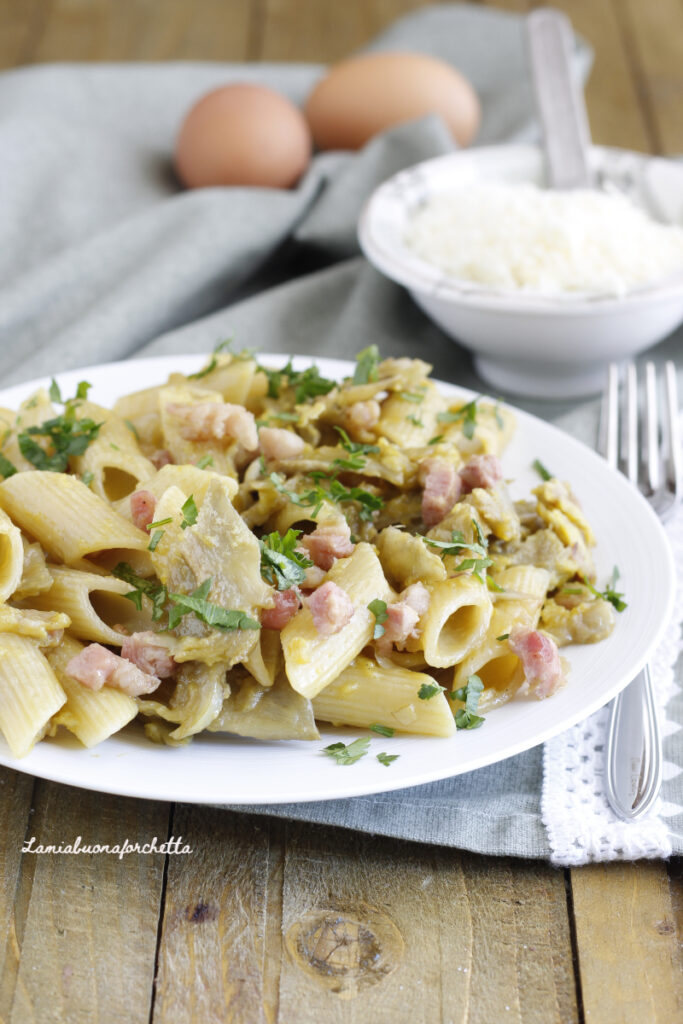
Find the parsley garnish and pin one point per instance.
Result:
(156, 537)
(457, 545)
(133, 429)
(379, 610)
(281, 564)
(314, 498)
(213, 362)
(87, 477)
(467, 413)
(344, 754)
(54, 392)
(386, 759)
(159, 522)
(429, 690)
(305, 383)
(466, 718)
(6, 467)
(415, 420)
(356, 450)
(367, 362)
(182, 604)
(382, 730)
(615, 597)
(541, 470)
(66, 435)
(435, 440)
(206, 460)
(190, 513)
(212, 614)
(411, 396)
(503, 636)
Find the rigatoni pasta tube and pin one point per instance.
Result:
(312, 661)
(95, 604)
(30, 693)
(11, 557)
(366, 693)
(66, 517)
(91, 715)
(456, 620)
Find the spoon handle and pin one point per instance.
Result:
(564, 121)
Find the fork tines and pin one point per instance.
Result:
(650, 457)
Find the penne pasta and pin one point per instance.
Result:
(30, 693)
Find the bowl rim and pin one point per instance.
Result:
(428, 280)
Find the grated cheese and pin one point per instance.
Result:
(522, 237)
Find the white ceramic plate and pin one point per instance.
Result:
(217, 769)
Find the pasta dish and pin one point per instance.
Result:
(254, 551)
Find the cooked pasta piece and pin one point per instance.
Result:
(30, 693)
(312, 659)
(457, 619)
(11, 557)
(366, 693)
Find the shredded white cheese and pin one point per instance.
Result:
(522, 237)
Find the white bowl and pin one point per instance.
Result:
(529, 344)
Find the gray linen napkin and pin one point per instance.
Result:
(104, 257)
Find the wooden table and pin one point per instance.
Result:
(268, 921)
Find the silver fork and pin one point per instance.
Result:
(633, 768)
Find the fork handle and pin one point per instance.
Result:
(634, 750)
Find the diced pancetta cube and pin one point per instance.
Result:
(540, 659)
(481, 471)
(216, 421)
(277, 443)
(95, 667)
(328, 542)
(442, 488)
(403, 617)
(152, 657)
(331, 608)
(417, 597)
(285, 608)
(142, 506)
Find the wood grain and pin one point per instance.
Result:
(15, 806)
(654, 36)
(270, 921)
(86, 924)
(629, 958)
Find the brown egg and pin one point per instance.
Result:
(366, 95)
(243, 135)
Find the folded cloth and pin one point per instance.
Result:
(105, 257)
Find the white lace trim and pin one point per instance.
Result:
(580, 825)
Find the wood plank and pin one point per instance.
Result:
(654, 32)
(21, 21)
(311, 30)
(273, 921)
(87, 924)
(616, 115)
(628, 955)
(87, 30)
(16, 790)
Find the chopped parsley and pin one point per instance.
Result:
(457, 545)
(133, 429)
(467, 413)
(212, 614)
(6, 467)
(213, 362)
(88, 477)
(154, 540)
(435, 440)
(344, 754)
(467, 718)
(356, 450)
(415, 420)
(382, 730)
(190, 513)
(615, 597)
(503, 636)
(367, 362)
(379, 610)
(541, 470)
(159, 522)
(306, 384)
(181, 604)
(386, 759)
(429, 690)
(281, 564)
(412, 396)
(65, 435)
(336, 492)
(206, 460)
